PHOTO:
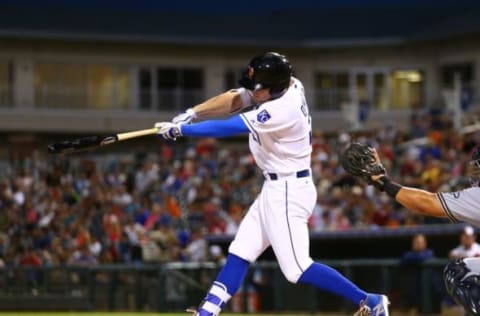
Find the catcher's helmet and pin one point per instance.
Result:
(268, 71)
(462, 281)
(474, 168)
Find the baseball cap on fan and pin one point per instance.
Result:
(468, 230)
(215, 251)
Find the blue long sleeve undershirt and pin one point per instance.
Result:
(216, 128)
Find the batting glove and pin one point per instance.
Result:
(185, 118)
(168, 130)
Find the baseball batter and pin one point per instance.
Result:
(279, 128)
(461, 276)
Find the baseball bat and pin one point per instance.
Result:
(89, 142)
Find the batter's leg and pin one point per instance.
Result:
(285, 211)
(250, 241)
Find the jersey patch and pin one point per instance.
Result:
(263, 116)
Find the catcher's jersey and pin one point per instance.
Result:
(462, 206)
(280, 131)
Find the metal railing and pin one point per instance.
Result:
(6, 95)
(178, 99)
(51, 96)
(56, 96)
(174, 286)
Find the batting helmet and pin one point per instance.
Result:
(474, 168)
(268, 71)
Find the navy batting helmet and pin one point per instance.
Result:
(268, 71)
(474, 168)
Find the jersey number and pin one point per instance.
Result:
(304, 109)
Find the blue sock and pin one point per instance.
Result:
(326, 278)
(233, 273)
(227, 283)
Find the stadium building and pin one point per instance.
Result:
(82, 67)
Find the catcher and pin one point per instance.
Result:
(461, 276)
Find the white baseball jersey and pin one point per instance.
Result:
(462, 252)
(462, 206)
(280, 131)
(279, 139)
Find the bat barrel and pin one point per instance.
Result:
(85, 143)
(80, 144)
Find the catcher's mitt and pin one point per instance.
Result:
(359, 160)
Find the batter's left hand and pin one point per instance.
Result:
(185, 118)
(169, 130)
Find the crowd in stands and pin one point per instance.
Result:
(158, 205)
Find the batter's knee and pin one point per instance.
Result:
(294, 272)
(292, 276)
(293, 267)
(243, 252)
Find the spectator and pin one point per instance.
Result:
(150, 250)
(165, 238)
(31, 259)
(82, 257)
(411, 280)
(95, 246)
(216, 254)
(197, 249)
(419, 252)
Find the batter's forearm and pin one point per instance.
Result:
(420, 201)
(219, 105)
(234, 125)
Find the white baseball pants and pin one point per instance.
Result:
(279, 217)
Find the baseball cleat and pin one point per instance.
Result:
(200, 312)
(374, 305)
(192, 311)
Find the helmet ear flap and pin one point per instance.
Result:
(277, 92)
(246, 83)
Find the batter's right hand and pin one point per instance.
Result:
(168, 130)
(185, 118)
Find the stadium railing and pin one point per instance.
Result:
(175, 286)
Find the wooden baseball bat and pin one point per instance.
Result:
(89, 142)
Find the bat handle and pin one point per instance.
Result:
(143, 132)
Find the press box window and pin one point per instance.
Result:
(6, 83)
(179, 88)
(331, 90)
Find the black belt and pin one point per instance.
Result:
(299, 174)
